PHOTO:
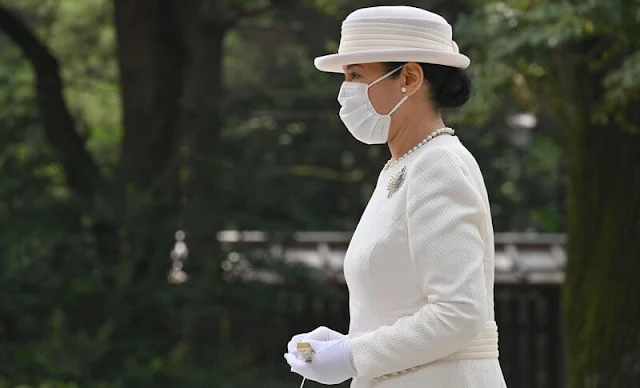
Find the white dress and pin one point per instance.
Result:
(420, 273)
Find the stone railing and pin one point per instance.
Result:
(520, 258)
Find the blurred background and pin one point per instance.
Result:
(177, 190)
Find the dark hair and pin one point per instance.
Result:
(450, 87)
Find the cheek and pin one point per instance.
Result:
(383, 98)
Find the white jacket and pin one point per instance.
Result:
(420, 273)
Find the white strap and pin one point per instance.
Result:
(384, 76)
(398, 105)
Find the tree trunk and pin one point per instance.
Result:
(201, 123)
(171, 75)
(201, 108)
(171, 55)
(151, 55)
(82, 174)
(601, 316)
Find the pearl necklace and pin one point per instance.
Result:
(441, 131)
(397, 179)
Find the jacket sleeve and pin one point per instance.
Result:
(446, 217)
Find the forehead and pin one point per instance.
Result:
(364, 67)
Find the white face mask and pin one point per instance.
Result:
(359, 115)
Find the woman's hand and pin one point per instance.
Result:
(321, 333)
(332, 362)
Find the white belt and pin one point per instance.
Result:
(484, 345)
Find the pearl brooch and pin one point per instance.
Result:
(395, 182)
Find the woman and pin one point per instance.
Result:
(420, 265)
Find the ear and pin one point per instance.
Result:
(413, 77)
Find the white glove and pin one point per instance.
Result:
(332, 362)
(321, 333)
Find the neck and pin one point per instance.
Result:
(411, 132)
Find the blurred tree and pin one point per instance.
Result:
(582, 60)
(119, 211)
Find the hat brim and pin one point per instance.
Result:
(333, 63)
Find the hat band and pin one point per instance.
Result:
(385, 42)
(394, 29)
(368, 36)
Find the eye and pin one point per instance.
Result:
(353, 75)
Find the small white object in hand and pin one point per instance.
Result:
(305, 351)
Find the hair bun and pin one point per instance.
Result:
(454, 90)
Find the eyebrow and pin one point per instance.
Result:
(350, 66)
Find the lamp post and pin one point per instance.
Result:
(521, 126)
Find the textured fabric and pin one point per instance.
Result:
(420, 273)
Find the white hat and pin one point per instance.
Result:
(394, 34)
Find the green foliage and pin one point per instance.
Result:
(579, 60)
(514, 44)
